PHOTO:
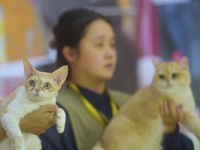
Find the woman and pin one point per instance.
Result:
(85, 41)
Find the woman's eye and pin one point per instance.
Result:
(99, 45)
(31, 83)
(47, 85)
(113, 45)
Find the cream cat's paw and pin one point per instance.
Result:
(18, 143)
(60, 120)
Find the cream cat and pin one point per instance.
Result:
(138, 124)
(40, 88)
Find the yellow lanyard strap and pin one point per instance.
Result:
(90, 107)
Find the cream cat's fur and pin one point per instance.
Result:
(40, 88)
(138, 124)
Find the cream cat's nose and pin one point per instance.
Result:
(37, 90)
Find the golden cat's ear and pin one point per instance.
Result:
(60, 75)
(184, 62)
(155, 63)
(29, 70)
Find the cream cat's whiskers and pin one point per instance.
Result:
(40, 88)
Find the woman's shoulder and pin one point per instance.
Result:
(119, 96)
(66, 91)
(118, 93)
(68, 98)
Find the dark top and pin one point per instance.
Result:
(51, 140)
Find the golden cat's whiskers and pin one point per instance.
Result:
(141, 114)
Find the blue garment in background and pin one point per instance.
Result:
(180, 30)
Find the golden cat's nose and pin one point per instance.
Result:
(168, 82)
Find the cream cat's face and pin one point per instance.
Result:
(41, 85)
(171, 76)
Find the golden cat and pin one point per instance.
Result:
(138, 124)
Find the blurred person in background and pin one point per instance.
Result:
(48, 13)
(85, 41)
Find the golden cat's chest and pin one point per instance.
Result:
(183, 98)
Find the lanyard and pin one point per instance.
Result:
(91, 108)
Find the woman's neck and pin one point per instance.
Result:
(93, 85)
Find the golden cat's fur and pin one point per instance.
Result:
(138, 124)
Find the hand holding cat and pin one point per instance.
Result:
(171, 115)
(40, 120)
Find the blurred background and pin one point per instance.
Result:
(145, 29)
(26, 31)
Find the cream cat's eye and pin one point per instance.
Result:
(47, 85)
(31, 83)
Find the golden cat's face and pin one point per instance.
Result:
(171, 75)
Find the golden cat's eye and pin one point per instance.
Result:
(31, 83)
(161, 76)
(174, 75)
(47, 85)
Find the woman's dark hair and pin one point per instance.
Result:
(71, 28)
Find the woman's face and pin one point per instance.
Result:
(97, 53)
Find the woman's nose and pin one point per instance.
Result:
(110, 52)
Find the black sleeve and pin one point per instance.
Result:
(52, 140)
(177, 141)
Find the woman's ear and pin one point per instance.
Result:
(69, 54)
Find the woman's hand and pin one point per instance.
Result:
(171, 115)
(40, 120)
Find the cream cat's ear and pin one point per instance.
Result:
(184, 62)
(60, 74)
(29, 70)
